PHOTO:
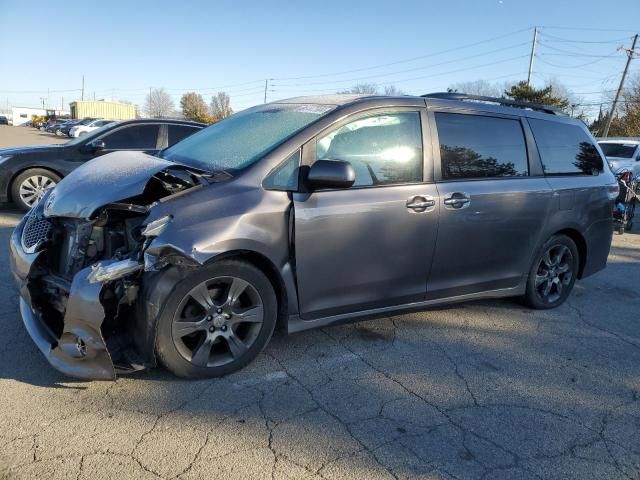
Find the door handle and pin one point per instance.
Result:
(457, 200)
(421, 203)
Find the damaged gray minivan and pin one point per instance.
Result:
(305, 213)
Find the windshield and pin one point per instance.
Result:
(91, 135)
(240, 140)
(620, 150)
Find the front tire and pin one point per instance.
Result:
(553, 273)
(216, 320)
(29, 186)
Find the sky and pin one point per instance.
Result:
(123, 48)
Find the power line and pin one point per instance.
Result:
(569, 52)
(40, 91)
(369, 77)
(575, 66)
(442, 52)
(592, 29)
(555, 39)
(434, 74)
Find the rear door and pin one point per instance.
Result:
(371, 245)
(493, 202)
(575, 170)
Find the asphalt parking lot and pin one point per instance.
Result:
(486, 390)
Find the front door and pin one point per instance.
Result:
(493, 205)
(371, 245)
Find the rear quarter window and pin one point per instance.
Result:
(565, 149)
(477, 146)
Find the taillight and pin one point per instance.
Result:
(613, 190)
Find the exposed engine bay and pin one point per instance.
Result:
(102, 255)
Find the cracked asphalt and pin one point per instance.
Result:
(486, 390)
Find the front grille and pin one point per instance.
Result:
(36, 229)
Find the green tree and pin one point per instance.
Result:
(194, 108)
(546, 95)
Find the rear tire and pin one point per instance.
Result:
(216, 320)
(30, 185)
(553, 273)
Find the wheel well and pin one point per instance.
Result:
(13, 178)
(269, 269)
(581, 245)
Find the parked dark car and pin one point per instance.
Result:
(51, 125)
(64, 130)
(305, 213)
(27, 172)
(4, 120)
(58, 128)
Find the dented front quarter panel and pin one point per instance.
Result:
(226, 218)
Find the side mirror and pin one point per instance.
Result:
(97, 145)
(331, 174)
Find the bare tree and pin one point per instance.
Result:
(477, 87)
(393, 91)
(158, 104)
(372, 89)
(362, 88)
(220, 106)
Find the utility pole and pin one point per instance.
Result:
(533, 53)
(62, 104)
(266, 86)
(82, 96)
(630, 53)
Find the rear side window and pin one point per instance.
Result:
(179, 132)
(565, 149)
(476, 146)
(384, 149)
(137, 137)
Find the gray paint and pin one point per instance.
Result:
(346, 254)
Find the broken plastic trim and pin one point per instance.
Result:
(101, 272)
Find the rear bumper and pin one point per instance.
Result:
(598, 239)
(80, 351)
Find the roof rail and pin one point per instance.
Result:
(501, 101)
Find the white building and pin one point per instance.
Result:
(21, 115)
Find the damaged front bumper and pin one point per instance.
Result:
(80, 349)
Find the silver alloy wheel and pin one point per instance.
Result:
(217, 321)
(555, 272)
(33, 188)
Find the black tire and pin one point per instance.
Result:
(629, 214)
(559, 282)
(173, 352)
(18, 199)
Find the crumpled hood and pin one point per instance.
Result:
(11, 151)
(107, 179)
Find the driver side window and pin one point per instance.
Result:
(384, 149)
